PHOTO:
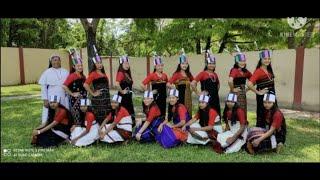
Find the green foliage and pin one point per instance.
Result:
(35, 33)
(143, 36)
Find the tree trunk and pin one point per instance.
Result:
(10, 35)
(223, 42)
(91, 40)
(44, 42)
(291, 44)
(90, 29)
(208, 43)
(308, 34)
(198, 46)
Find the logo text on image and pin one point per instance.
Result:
(296, 22)
(7, 152)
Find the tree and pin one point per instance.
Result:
(4, 31)
(35, 33)
(22, 32)
(54, 33)
(305, 36)
(77, 35)
(90, 30)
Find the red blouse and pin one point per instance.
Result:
(259, 74)
(94, 75)
(72, 77)
(154, 77)
(89, 118)
(204, 75)
(212, 116)
(178, 76)
(237, 73)
(240, 114)
(121, 114)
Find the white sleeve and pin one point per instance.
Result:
(44, 92)
(43, 78)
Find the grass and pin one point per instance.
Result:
(21, 90)
(19, 117)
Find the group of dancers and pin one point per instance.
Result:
(79, 109)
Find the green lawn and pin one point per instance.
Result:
(29, 89)
(19, 117)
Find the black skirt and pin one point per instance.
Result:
(77, 86)
(264, 83)
(211, 86)
(50, 139)
(126, 101)
(101, 105)
(161, 96)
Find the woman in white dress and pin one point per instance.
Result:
(51, 81)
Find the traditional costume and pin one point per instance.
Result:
(89, 124)
(240, 76)
(205, 117)
(126, 82)
(75, 84)
(275, 119)
(182, 83)
(123, 120)
(233, 121)
(263, 80)
(153, 116)
(60, 132)
(171, 137)
(158, 83)
(100, 104)
(210, 83)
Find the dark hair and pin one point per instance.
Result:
(273, 109)
(146, 109)
(74, 70)
(187, 70)
(206, 67)
(83, 115)
(236, 65)
(95, 68)
(51, 114)
(170, 108)
(50, 64)
(205, 109)
(204, 117)
(114, 112)
(269, 67)
(154, 70)
(120, 69)
(233, 114)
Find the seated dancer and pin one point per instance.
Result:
(117, 126)
(271, 134)
(202, 126)
(86, 133)
(170, 135)
(145, 132)
(236, 132)
(57, 128)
